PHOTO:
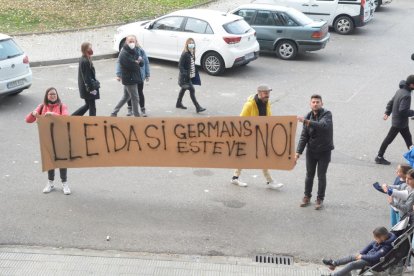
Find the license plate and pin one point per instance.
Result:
(249, 56)
(14, 84)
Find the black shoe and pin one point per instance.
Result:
(200, 109)
(180, 105)
(331, 264)
(382, 161)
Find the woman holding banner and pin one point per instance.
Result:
(51, 106)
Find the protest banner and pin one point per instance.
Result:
(212, 142)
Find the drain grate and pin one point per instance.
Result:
(274, 259)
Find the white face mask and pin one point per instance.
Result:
(131, 45)
(191, 46)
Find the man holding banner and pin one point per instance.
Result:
(257, 105)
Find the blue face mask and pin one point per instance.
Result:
(191, 46)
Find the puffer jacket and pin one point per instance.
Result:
(57, 110)
(250, 108)
(374, 251)
(130, 69)
(185, 69)
(399, 106)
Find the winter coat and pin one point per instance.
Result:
(374, 251)
(130, 69)
(404, 206)
(56, 109)
(318, 135)
(86, 73)
(184, 79)
(250, 108)
(145, 69)
(399, 106)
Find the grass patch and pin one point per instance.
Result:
(21, 16)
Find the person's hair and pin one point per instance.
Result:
(404, 168)
(85, 47)
(411, 173)
(186, 45)
(316, 96)
(410, 80)
(380, 232)
(45, 100)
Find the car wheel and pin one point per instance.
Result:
(121, 44)
(213, 64)
(286, 50)
(344, 25)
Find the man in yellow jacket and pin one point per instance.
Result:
(257, 105)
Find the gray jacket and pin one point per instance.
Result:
(406, 206)
(399, 107)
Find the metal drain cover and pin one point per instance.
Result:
(274, 259)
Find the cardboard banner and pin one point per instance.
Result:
(213, 142)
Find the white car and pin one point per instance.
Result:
(343, 15)
(222, 40)
(15, 72)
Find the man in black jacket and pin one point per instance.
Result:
(399, 107)
(317, 136)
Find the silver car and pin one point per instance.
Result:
(286, 31)
(15, 72)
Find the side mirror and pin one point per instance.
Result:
(149, 26)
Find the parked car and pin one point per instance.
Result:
(222, 40)
(283, 30)
(15, 72)
(379, 3)
(343, 15)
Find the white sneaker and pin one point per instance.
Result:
(65, 187)
(238, 182)
(274, 186)
(408, 269)
(49, 187)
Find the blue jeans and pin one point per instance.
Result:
(351, 264)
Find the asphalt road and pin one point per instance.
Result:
(197, 211)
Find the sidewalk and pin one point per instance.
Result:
(53, 261)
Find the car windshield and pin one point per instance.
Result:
(237, 27)
(300, 17)
(9, 49)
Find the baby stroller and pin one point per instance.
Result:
(393, 263)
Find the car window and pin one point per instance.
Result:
(172, 23)
(246, 14)
(197, 26)
(287, 20)
(9, 49)
(300, 17)
(264, 18)
(237, 27)
(278, 20)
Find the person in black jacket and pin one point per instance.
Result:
(130, 62)
(399, 107)
(187, 72)
(317, 136)
(86, 77)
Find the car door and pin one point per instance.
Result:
(301, 5)
(322, 9)
(268, 29)
(202, 34)
(161, 37)
(12, 63)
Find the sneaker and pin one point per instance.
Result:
(114, 115)
(65, 187)
(408, 269)
(318, 204)
(382, 161)
(49, 187)
(238, 182)
(143, 112)
(129, 112)
(305, 202)
(274, 186)
(331, 264)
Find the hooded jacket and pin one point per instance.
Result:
(318, 135)
(250, 108)
(399, 106)
(374, 251)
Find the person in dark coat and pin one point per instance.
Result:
(86, 77)
(370, 255)
(399, 107)
(187, 72)
(317, 136)
(130, 62)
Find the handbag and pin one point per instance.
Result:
(196, 80)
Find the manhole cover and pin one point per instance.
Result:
(274, 259)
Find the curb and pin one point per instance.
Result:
(69, 60)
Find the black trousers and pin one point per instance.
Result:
(63, 174)
(405, 133)
(140, 96)
(316, 161)
(89, 104)
(192, 95)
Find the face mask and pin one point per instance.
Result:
(51, 102)
(90, 52)
(191, 46)
(131, 45)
